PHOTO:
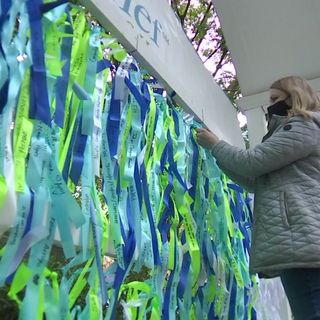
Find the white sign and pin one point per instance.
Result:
(150, 31)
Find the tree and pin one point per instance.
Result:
(201, 24)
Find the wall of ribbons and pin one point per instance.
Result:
(98, 164)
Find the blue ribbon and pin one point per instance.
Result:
(103, 64)
(5, 6)
(172, 163)
(113, 124)
(39, 100)
(233, 300)
(3, 92)
(156, 256)
(66, 167)
(164, 158)
(121, 273)
(78, 155)
(138, 183)
(164, 225)
(176, 122)
(186, 262)
(30, 214)
(130, 244)
(141, 99)
(211, 314)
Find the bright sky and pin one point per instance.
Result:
(242, 119)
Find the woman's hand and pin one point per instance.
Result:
(206, 138)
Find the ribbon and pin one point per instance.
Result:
(103, 165)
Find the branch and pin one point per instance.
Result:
(219, 65)
(183, 16)
(200, 41)
(212, 53)
(202, 21)
(199, 44)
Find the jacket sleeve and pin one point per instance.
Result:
(293, 141)
(245, 182)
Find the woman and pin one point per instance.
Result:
(284, 174)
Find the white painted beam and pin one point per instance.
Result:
(257, 126)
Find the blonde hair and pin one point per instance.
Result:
(304, 99)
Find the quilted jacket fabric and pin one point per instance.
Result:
(284, 174)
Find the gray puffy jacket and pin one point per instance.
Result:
(284, 174)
